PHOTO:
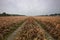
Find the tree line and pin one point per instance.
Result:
(6, 14)
(56, 14)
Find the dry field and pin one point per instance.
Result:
(51, 24)
(8, 24)
(30, 31)
(30, 28)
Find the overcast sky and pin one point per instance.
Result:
(30, 7)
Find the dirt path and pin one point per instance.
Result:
(46, 34)
(13, 35)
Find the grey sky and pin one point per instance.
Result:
(30, 7)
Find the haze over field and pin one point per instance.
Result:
(30, 7)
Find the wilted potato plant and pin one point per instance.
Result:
(51, 24)
(9, 24)
(30, 31)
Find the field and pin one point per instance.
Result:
(51, 24)
(9, 24)
(30, 28)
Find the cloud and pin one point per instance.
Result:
(30, 7)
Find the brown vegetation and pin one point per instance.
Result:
(8, 23)
(30, 31)
(52, 25)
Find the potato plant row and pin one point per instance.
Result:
(51, 25)
(9, 24)
(30, 31)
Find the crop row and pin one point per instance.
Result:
(8, 25)
(51, 25)
(30, 31)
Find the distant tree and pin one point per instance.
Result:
(4, 14)
(56, 14)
